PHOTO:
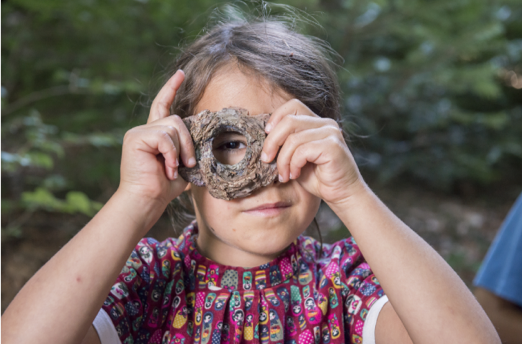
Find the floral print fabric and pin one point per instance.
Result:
(169, 293)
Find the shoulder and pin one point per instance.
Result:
(151, 268)
(342, 263)
(343, 252)
(159, 259)
(150, 260)
(150, 250)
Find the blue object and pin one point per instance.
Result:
(501, 271)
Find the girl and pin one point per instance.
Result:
(243, 271)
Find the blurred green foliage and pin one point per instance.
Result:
(434, 87)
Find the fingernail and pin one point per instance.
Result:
(264, 157)
(177, 162)
(175, 174)
(191, 161)
(280, 178)
(268, 127)
(291, 176)
(180, 70)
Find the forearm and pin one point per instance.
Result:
(62, 298)
(433, 303)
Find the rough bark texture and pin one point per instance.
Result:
(228, 181)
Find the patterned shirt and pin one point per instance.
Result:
(169, 293)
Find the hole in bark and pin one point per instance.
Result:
(229, 147)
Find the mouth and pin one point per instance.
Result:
(269, 209)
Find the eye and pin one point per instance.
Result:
(229, 148)
(232, 145)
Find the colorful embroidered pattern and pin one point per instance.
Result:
(169, 293)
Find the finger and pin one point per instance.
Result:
(287, 126)
(310, 152)
(171, 166)
(187, 151)
(293, 107)
(161, 105)
(162, 140)
(313, 152)
(169, 148)
(292, 143)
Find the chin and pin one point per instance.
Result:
(268, 242)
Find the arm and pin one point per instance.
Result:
(429, 303)
(425, 292)
(91, 337)
(62, 299)
(505, 315)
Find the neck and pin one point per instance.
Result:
(212, 247)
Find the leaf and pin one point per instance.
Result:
(75, 201)
(78, 201)
(39, 159)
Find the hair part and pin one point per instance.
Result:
(266, 47)
(298, 64)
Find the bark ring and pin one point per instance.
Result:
(228, 181)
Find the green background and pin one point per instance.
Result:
(432, 97)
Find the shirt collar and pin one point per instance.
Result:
(215, 276)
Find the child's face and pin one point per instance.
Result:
(230, 233)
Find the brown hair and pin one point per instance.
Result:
(265, 46)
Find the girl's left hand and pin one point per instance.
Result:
(313, 152)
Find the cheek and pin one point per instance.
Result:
(309, 203)
(209, 206)
(215, 212)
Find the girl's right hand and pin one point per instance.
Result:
(151, 152)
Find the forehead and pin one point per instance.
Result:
(233, 87)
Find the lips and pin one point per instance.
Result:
(271, 206)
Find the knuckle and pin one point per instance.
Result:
(292, 140)
(286, 121)
(173, 131)
(171, 150)
(335, 141)
(177, 119)
(334, 130)
(300, 150)
(332, 122)
(129, 134)
(296, 102)
(182, 129)
(170, 129)
(164, 135)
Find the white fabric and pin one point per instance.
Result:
(108, 335)
(105, 328)
(371, 320)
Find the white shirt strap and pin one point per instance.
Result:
(371, 320)
(105, 328)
